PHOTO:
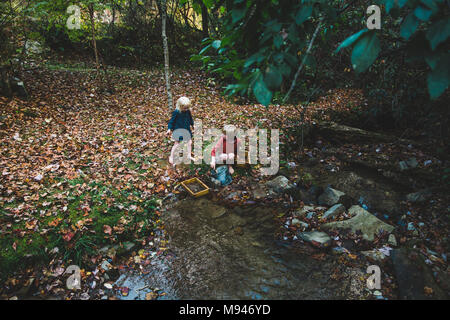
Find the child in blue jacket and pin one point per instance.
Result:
(181, 119)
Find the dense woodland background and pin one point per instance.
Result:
(256, 47)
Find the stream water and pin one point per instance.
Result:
(217, 252)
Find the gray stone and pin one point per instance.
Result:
(218, 212)
(259, 193)
(303, 211)
(411, 163)
(104, 250)
(363, 221)
(403, 166)
(317, 236)
(280, 184)
(128, 246)
(310, 215)
(419, 196)
(374, 255)
(330, 197)
(304, 225)
(297, 222)
(334, 211)
(106, 265)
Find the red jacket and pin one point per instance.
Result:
(221, 146)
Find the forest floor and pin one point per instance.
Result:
(84, 176)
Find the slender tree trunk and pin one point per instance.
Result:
(163, 6)
(205, 25)
(98, 60)
(286, 97)
(94, 41)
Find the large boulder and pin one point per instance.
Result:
(279, 185)
(330, 197)
(363, 221)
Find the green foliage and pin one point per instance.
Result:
(365, 51)
(366, 48)
(262, 42)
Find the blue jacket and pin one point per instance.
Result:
(181, 119)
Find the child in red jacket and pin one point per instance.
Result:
(225, 150)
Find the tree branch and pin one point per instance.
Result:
(286, 97)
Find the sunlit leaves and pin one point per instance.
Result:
(365, 51)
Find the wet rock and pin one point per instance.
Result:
(279, 185)
(297, 222)
(363, 221)
(330, 197)
(413, 275)
(412, 162)
(420, 196)
(402, 165)
(84, 296)
(375, 255)
(339, 250)
(334, 211)
(408, 164)
(106, 266)
(303, 211)
(259, 193)
(316, 236)
(219, 212)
